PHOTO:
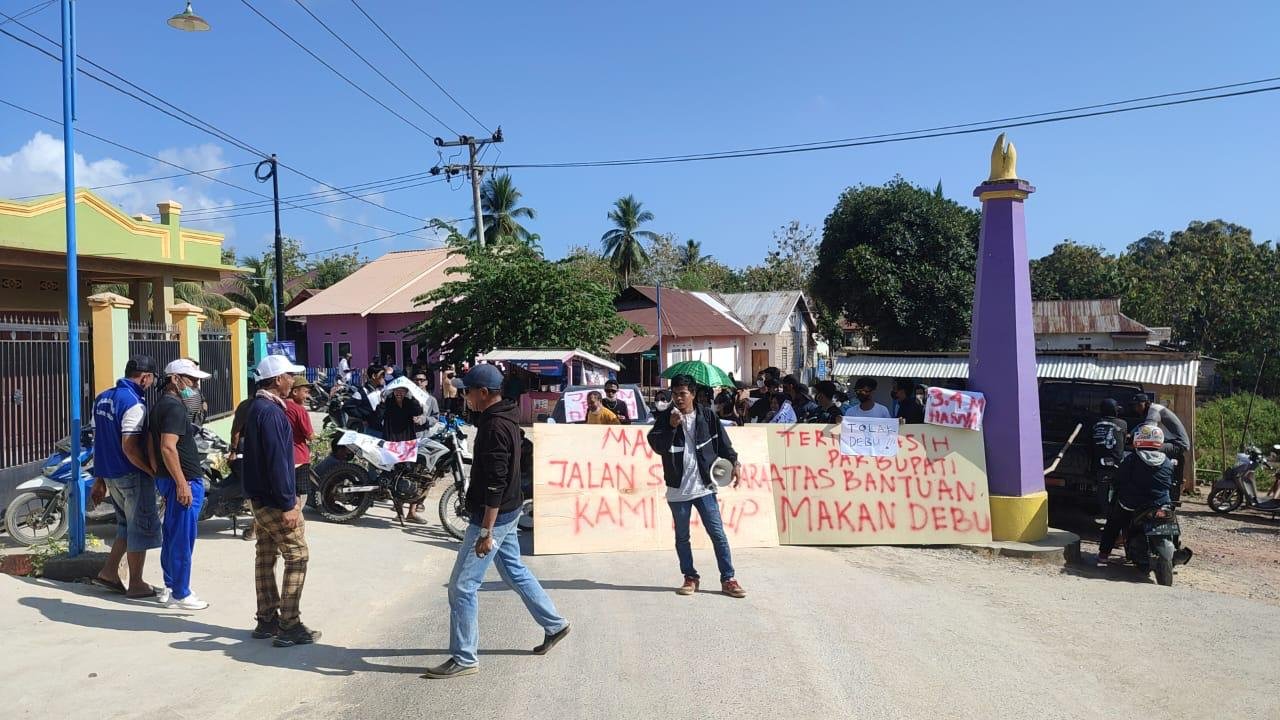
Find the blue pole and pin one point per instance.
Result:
(661, 357)
(75, 509)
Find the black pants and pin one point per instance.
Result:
(1117, 519)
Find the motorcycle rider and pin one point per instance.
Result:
(1145, 478)
(1107, 450)
(363, 403)
(1177, 441)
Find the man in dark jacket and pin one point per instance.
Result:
(494, 500)
(910, 411)
(270, 485)
(1145, 479)
(1106, 450)
(798, 394)
(690, 439)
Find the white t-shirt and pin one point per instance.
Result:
(134, 419)
(877, 411)
(691, 485)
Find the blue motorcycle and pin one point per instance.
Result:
(39, 512)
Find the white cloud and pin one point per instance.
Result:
(36, 169)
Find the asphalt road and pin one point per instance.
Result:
(852, 632)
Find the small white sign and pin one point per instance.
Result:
(877, 437)
(575, 404)
(954, 408)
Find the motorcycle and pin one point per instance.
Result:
(1238, 487)
(39, 512)
(1152, 542)
(223, 487)
(370, 469)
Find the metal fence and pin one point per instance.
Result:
(160, 342)
(34, 412)
(215, 359)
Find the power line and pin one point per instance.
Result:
(33, 10)
(201, 173)
(373, 67)
(364, 242)
(198, 123)
(409, 57)
(383, 185)
(904, 136)
(334, 70)
(150, 179)
(211, 214)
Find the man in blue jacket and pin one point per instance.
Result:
(277, 509)
(690, 439)
(124, 470)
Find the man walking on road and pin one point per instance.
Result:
(270, 485)
(123, 469)
(178, 480)
(690, 439)
(494, 501)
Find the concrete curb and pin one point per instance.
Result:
(1060, 547)
(67, 569)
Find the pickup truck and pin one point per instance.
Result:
(1063, 405)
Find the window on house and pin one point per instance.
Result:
(328, 355)
(343, 349)
(681, 354)
(782, 362)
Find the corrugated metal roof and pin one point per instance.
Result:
(385, 286)
(685, 315)
(764, 313)
(545, 355)
(1154, 371)
(629, 343)
(1078, 317)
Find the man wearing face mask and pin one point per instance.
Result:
(178, 481)
(866, 406)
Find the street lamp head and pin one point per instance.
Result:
(188, 21)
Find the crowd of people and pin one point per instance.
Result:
(786, 399)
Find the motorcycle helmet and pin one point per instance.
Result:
(1148, 442)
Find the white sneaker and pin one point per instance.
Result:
(166, 594)
(190, 602)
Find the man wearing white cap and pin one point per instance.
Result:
(277, 508)
(178, 481)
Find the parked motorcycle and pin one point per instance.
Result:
(1152, 542)
(370, 469)
(1238, 487)
(39, 512)
(453, 499)
(223, 486)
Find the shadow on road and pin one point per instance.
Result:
(234, 643)
(579, 585)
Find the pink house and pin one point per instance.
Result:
(367, 312)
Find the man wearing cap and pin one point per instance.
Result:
(494, 500)
(277, 510)
(295, 408)
(123, 469)
(178, 480)
(1145, 478)
(1176, 440)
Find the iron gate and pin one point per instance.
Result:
(34, 368)
(160, 342)
(215, 359)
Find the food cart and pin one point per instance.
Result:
(548, 372)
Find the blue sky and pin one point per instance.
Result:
(591, 81)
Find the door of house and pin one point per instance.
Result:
(386, 352)
(759, 361)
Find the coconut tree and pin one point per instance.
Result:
(691, 257)
(624, 245)
(500, 208)
(253, 291)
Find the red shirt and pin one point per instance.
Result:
(300, 423)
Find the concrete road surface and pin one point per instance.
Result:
(856, 632)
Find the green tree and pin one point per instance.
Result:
(254, 291)
(624, 245)
(590, 265)
(327, 271)
(1076, 272)
(691, 257)
(510, 296)
(501, 211)
(900, 261)
(789, 265)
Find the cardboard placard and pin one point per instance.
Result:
(876, 437)
(575, 404)
(954, 408)
(600, 488)
(933, 492)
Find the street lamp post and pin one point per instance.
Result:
(269, 169)
(188, 21)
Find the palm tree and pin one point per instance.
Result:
(499, 203)
(253, 292)
(623, 244)
(691, 257)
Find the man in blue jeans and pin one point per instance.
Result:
(124, 471)
(690, 439)
(494, 501)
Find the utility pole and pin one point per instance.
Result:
(269, 170)
(475, 171)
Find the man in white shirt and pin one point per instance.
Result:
(866, 406)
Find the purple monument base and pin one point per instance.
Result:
(1002, 363)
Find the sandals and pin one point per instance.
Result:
(114, 586)
(148, 595)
